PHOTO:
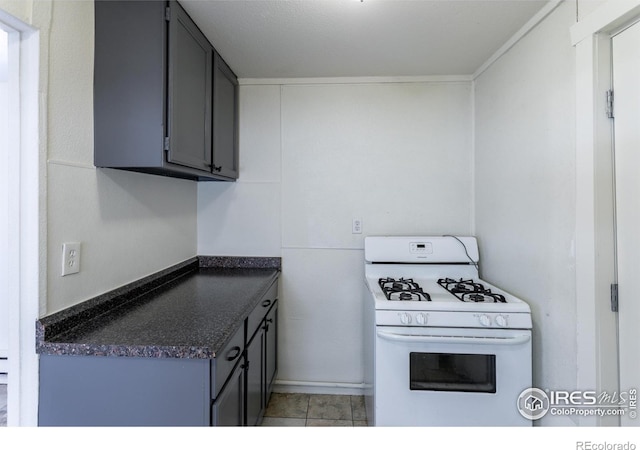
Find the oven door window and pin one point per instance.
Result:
(452, 372)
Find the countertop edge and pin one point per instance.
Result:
(240, 262)
(52, 325)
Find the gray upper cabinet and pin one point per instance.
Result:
(157, 104)
(225, 119)
(190, 84)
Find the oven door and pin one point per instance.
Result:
(450, 376)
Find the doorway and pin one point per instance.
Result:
(4, 223)
(20, 216)
(626, 91)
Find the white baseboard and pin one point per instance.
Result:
(315, 387)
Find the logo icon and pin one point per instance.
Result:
(533, 403)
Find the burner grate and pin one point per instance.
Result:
(470, 291)
(403, 290)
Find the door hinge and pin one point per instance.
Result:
(609, 104)
(166, 144)
(167, 14)
(614, 297)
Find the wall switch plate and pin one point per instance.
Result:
(356, 226)
(70, 258)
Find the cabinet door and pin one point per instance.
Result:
(189, 89)
(225, 120)
(129, 83)
(255, 393)
(228, 409)
(271, 351)
(100, 391)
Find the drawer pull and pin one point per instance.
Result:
(233, 353)
(266, 303)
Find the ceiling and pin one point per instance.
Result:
(353, 38)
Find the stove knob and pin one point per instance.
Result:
(405, 318)
(485, 320)
(422, 318)
(501, 321)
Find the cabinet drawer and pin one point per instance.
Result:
(261, 310)
(225, 361)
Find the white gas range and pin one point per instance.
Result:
(442, 346)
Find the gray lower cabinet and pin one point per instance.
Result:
(231, 390)
(255, 385)
(228, 383)
(228, 409)
(261, 355)
(122, 391)
(162, 101)
(271, 351)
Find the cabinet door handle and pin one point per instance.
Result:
(269, 320)
(216, 168)
(266, 303)
(233, 353)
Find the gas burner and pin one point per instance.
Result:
(488, 297)
(470, 291)
(460, 286)
(394, 285)
(403, 290)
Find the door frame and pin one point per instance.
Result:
(24, 163)
(597, 357)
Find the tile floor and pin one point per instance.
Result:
(3, 405)
(288, 410)
(314, 410)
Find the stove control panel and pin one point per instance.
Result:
(421, 248)
(485, 320)
(448, 319)
(499, 320)
(407, 318)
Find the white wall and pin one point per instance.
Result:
(586, 7)
(130, 225)
(4, 194)
(243, 218)
(525, 188)
(312, 158)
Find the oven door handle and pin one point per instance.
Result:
(512, 340)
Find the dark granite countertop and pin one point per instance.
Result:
(188, 311)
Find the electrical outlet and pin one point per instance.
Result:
(70, 258)
(356, 226)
